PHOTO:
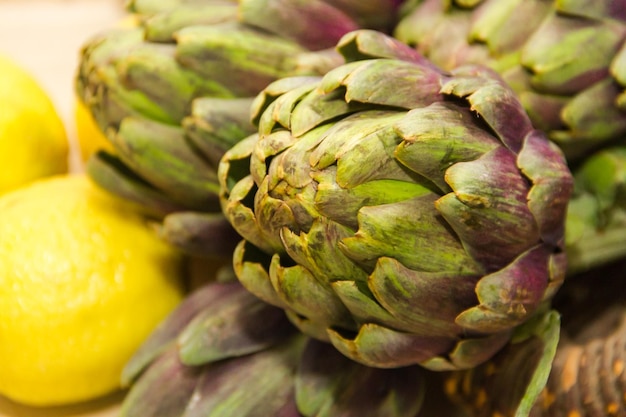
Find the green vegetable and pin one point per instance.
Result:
(565, 58)
(404, 214)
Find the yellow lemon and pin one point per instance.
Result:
(90, 137)
(83, 282)
(33, 141)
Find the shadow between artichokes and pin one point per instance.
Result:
(405, 214)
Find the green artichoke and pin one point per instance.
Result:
(405, 214)
(583, 375)
(565, 59)
(224, 352)
(596, 219)
(173, 93)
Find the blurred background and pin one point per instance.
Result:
(45, 38)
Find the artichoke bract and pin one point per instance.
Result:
(405, 214)
(587, 376)
(173, 90)
(565, 59)
(223, 352)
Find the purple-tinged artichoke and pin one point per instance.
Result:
(584, 375)
(226, 353)
(405, 214)
(173, 92)
(565, 59)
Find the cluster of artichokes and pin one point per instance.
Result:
(421, 205)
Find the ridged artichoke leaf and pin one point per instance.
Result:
(241, 216)
(319, 107)
(217, 124)
(369, 82)
(317, 251)
(510, 296)
(544, 165)
(597, 9)
(96, 70)
(307, 295)
(553, 53)
(505, 25)
(358, 298)
(488, 208)
(589, 241)
(596, 214)
(329, 385)
(241, 58)
(604, 176)
(165, 334)
(342, 205)
(469, 353)
(438, 136)
(422, 302)
(237, 193)
(557, 271)
(591, 114)
(162, 26)
(420, 19)
(105, 48)
(251, 268)
(205, 235)
(160, 154)
(279, 113)
(235, 164)
(362, 147)
(237, 324)
(148, 7)
(381, 347)
(447, 45)
(468, 4)
(164, 390)
(266, 148)
(293, 208)
(315, 24)
(112, 102)
(369, 44)
(412, 232)
(154, 70)
(491, 99)
(256, 385)
(110, 173)
(275, 90)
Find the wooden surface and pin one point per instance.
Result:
(45, 37)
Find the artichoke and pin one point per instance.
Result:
(587, 376)
(565, 59)
(404, 214)
(583, 375)
(173, 93)
(224, 352)
(596, 219)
